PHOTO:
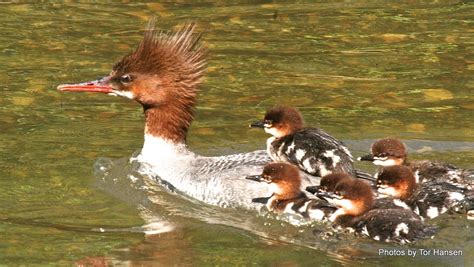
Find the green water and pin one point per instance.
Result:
(359, 70)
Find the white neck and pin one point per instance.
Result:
(156, 149)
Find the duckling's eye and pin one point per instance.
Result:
(267, 123)
(125, 78)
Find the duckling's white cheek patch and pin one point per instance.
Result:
(384, 162)
(275, 189)
(273, 131)
(388, 191)
(345, 204)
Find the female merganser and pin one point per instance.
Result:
(311, 149)
(429, 199)
(287, 197)
(163, 75)
(355, 201)
(391, 151)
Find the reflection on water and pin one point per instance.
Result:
(359, 70)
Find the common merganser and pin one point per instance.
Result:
(328, 182)
(392, 151)
(355, 201)
(163, 75)
(311, 149)
(429, 199)
(287, 197)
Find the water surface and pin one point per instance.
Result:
(359, 70)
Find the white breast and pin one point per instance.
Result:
(217, 181)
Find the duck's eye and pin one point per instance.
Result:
(125, 78)
(268, 123)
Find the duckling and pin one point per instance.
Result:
(311, 149)
(287, 197)
(392, 151)
(354, 200)
(428, 199)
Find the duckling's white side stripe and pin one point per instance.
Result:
(432, 212)
(401, 228)
(335, 158)
(400, 203)
(299, 154)
(316, 214)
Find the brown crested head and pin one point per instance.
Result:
(356, 196)
(388, 147)
(163, 74)
(396, 181)
(282, 120)
(328, 182)
(165, 67)
(285, 177)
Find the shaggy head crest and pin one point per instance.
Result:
(177, 55)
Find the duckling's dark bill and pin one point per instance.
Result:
(327, 195)
(257, 178)
(97, 86)
(261, 200)
(313, 189)
(257, 124)
(366, 158)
